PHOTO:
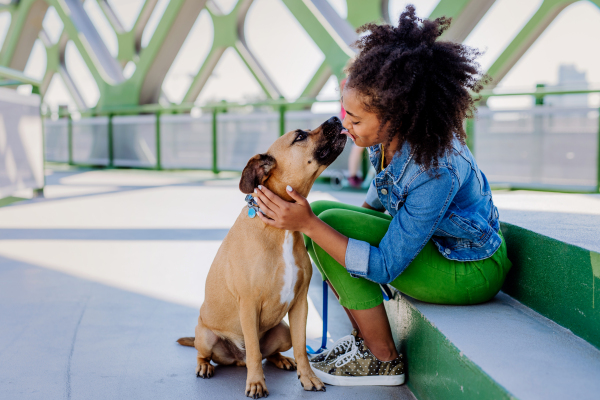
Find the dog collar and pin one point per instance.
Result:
(252, 206)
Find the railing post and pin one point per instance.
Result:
(282, 110)
(470, 131)
(598, 156)
(158, 160)
(69, 139)
(111, 154)
(215, 167)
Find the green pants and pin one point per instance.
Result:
(430, 277)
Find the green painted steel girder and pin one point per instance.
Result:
(331, 33)
(25, 26)
(548, 11)
(229, 32)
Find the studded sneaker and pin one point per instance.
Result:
(359, 367)
(340, 347)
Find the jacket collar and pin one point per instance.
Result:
(396, 168)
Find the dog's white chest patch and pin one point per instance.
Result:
(290, 274)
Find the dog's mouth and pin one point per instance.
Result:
(333, 143)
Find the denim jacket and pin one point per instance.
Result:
(451, 205)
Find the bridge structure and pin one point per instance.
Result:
(102, 274)
(330, 32)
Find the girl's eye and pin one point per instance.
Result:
(355, 123)
(301, 136)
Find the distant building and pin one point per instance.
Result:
(569, 78)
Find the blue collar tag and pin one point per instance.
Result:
(252, 206)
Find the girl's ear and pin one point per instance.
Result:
(257, 171)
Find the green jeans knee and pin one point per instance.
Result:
(430, 277)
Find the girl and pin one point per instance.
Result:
(406, 99)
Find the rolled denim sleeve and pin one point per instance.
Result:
(411, 228)
(372, 197)
(357, 257)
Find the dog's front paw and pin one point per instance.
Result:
(310, 382)
(257, 389)
(205, 370)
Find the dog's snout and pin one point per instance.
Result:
(334, 120)
(332, 126)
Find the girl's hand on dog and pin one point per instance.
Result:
(282, 214)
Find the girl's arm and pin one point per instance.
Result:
(298, 216)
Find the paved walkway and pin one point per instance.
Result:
(99, 279)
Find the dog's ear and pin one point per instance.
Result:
(257, 171)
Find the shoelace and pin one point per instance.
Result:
(347, 357)
(343, 343)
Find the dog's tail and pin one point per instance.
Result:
(186, 341)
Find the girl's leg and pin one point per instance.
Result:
(361, 297)
(432, 278)
(320, 206)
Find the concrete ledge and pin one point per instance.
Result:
(559, 280)
(497, 350)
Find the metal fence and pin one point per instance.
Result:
(218, 141)
(543, 147)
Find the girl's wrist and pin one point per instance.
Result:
(311, 225)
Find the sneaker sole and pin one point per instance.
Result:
(375, 380)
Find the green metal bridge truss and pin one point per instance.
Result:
(331, 33)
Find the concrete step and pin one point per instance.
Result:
(497, 350)
(559, 280)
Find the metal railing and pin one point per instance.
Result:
(174, 137)
(185, 136)
(545, 147)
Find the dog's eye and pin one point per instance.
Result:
(300, 135)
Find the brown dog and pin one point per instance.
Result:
(260, 273)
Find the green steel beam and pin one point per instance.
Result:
(317, 82)
(337, 52)
(465, 15)
(156, 59)
(153, 62)
(77, 24)
(25, 26)
(18, 76)
(229, 32)
(547, 12)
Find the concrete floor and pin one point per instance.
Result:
(99, 278)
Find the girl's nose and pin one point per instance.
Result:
(345, 123)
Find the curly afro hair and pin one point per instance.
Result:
(420, 85)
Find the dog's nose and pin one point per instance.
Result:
(332, 127)
(334, 121)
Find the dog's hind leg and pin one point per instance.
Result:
(255, 381)
(204, 342)
(274, 342)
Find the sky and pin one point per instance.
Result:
(290, 57)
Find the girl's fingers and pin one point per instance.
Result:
(296, 196)
(259, 195)
(265, 219)
(272, 197)
(264, 208)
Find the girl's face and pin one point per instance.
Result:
(362, 126)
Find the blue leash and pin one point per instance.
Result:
(323, 347)
(385, 291)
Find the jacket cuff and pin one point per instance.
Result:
(357, 258)
(373, 198)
